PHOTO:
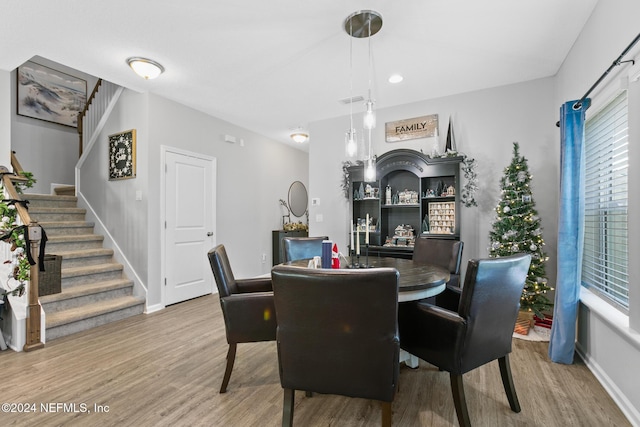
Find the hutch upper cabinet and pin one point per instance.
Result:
(413, 195)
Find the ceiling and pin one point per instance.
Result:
(271, 66)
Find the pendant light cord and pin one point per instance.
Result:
(351, 77)
(369, 72)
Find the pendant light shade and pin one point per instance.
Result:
(351, 143)
(370, 169)
(369, 120)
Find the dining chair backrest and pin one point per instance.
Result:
(446, 253)
(490, 302)
(222, 273)
(296, 248)
(338, 330)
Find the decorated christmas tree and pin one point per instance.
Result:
(517, 230)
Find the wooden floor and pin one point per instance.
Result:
(165, 369)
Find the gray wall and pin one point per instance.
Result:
(608, 340)
(486, 123)
(250, 181)
(48, 150)
(5, 118)
(114, 202)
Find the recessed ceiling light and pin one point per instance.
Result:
(395, 78)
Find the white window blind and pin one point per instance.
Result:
(605, 256)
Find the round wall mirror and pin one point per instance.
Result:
(298, 199)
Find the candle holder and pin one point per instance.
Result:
(354, 258)
(366, 251)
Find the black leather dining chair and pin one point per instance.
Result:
(296, 248)
(478, 332)
(247, 308)
(445, 253)
(337, 333)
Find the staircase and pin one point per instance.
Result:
(95, 290)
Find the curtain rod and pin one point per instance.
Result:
(615, 63)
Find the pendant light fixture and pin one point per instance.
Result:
(363, 24)
(369, 119)
(350, 139)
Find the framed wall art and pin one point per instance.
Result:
(50, 95)
(122, 155)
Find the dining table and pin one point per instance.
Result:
(416, 281)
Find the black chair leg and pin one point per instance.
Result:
(287, 407)
(507, 382)
(231, 358)
(459, 401)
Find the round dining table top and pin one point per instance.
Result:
(417, 280)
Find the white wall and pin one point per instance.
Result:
(48, 150)
(486, 123)
(610, 347)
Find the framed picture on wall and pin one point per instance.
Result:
(50, 95)
(122, 155)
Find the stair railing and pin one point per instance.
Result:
(33, 323)
(92, 117)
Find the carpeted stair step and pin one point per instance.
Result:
(85, 257)
(51, 201)
(79, 319)
(66, 190)
(48, 214)
(76, 296)
(59, 228)
(75, 276)
(74, 242)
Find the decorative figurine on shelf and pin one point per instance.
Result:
(361, 192)
(439, 188)
(387, 194)
(368, 192)
(395, 199)
(451, 191)
(425, 224)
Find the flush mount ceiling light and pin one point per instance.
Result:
(300, 136)
(145, 68)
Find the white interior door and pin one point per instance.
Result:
(189, 225)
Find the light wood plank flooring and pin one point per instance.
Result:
(165, 369)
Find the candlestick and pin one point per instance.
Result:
(351, 248)
(357, 240)
(366, 234)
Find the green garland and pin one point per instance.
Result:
(20, 263)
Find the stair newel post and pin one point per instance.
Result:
(33, 341)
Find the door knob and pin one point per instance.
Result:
(210, 233)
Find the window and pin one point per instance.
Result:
(605, 256)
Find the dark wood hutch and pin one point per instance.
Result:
(412, 191)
